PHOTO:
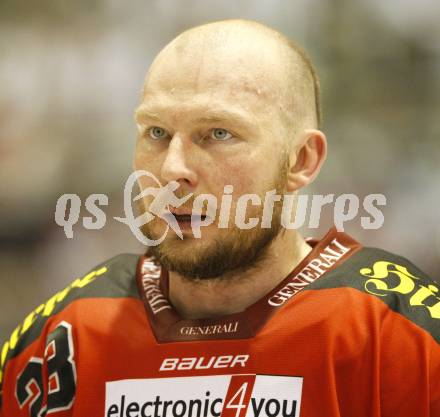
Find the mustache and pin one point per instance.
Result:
(142, 206)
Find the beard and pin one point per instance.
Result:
(231, 251)
(238, 251)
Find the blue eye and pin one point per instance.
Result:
(220, 134)
(156, 133)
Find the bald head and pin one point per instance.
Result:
(229, 107)
(242, 59)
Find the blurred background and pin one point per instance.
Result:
(70, 78)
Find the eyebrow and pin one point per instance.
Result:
(144, 113)
(209, 116)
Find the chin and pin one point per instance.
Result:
(216, 254)
(189, 245)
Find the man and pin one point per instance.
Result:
(253, 321)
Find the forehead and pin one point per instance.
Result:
(238, 74)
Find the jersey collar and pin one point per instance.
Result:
(153, 283)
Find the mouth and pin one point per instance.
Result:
(184, 218)
(189, 218)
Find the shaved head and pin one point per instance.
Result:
(249, 58)
(230, 103)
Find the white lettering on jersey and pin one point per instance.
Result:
(231, 327)
(216, 362)
(310, 273)
(150, 284)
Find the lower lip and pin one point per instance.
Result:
(184, 224)
(188, 223)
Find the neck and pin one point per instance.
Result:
(237, 291)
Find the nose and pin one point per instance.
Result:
(178, 162)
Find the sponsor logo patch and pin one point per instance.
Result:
(246, 395)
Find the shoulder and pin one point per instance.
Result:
(396, 281)
(114, 278)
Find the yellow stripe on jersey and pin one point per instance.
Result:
(44, 310)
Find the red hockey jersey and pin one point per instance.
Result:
(352, 331)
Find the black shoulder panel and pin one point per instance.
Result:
(394, 280)
(114, 278)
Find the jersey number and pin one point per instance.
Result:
(61, 373)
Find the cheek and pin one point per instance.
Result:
(238, 173)
(139, 162)
(252, 173)
(144, 158)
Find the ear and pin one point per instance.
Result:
(306, 159)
